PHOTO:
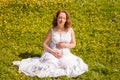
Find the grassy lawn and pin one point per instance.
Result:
(24, 23)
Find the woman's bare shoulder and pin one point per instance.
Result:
(49, 32)
(71, 29)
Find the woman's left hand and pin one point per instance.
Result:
(60, 45)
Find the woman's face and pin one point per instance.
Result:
(61, 19)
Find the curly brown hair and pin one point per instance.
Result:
(67, 23)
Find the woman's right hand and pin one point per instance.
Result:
(56, 54)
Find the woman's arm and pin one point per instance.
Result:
(46, 41)
(72, 43)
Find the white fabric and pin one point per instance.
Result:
(49, 66)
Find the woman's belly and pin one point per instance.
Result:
(62, 51)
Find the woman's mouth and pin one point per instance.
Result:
(60, 22)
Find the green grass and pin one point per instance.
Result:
(24, 23)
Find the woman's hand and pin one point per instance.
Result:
(56, 54)
(60, 45)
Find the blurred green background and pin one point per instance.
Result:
(24, 24)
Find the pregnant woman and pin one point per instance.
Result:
(57, 60)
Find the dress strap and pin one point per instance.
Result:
(70, 30)
(52, 30)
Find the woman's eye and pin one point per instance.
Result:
(64, 18)
(61, 18)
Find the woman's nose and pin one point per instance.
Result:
(61, 19)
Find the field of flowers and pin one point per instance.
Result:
(24, 23)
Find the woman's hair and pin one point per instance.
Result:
(67, 23)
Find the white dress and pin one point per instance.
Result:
(49, 66)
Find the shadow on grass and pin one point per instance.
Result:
(28, 55)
